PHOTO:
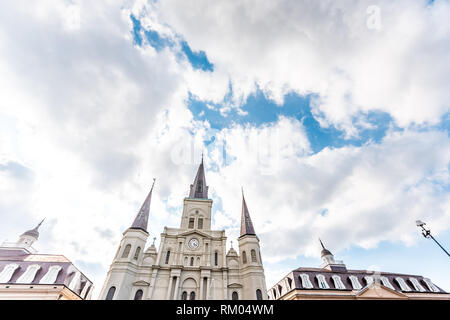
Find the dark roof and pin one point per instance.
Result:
(33, 232)
(296, 282)
(141, 220)
(23, 260)
(246, 221)
(325, 252)
(199, 190)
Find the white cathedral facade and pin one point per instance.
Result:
(192, 262)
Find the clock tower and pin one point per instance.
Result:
(192, 262)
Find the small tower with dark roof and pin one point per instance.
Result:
(29, 237)
(251, 265)
(328, 260)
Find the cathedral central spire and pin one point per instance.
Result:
(199, 189)
(246, 221)
(141, 220)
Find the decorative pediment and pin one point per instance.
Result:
(379, 291)
(235, 285)
(141, 283)
(191, 232)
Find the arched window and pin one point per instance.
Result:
(110, 294)
(191, 223)
(192, 261)
(192, 296)
(355, 283)
(253, 254)
(401, 282)
(431, 285)
(7, 273)
(258, 295)
(29, 274)
(322, 282)
(126, 251)
(306, 282)
(51, 275)
(200, 223)
(234, 296)
(338, 282)
(138, 295)
(137, 252)
(167, 257)
(386, 283)
(369, 280)
(216, 258)
(244, 257)
(417, 285)
(184, 295)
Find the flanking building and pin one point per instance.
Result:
(332, 280)
(192, 262)
(28, 275)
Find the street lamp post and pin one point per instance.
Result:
(427, 234)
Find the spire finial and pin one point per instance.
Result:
(154, 239)
(231, 243)
(154, 179)
(323, 247)
(37, 227)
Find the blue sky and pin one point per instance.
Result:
(335, 124)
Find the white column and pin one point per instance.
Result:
(200, 295)
(207, 287)
(177, 288)
(169, 289)
(152, 284)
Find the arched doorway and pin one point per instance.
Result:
(190, 287)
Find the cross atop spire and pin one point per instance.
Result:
(199, 189)
(141, 220)
(246, 221)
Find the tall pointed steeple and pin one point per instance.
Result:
(246, 221)
(141, 220)
(199, 189)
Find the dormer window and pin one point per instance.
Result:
(306, 283)
(401, 282)
(431, 285)
(369, 280)
(338, 282)
(386, 283)
(322, 282)
(417, 285)
(355, 283)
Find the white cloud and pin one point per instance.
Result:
(325, 47)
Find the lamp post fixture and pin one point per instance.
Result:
(427, 234)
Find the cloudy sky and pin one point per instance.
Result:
(333, 116)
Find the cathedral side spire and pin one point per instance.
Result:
(199, 189)
(246, 221)
(141, 220)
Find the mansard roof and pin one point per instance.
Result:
(18, 263)
(312, 273)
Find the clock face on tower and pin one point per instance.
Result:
(193, 243)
